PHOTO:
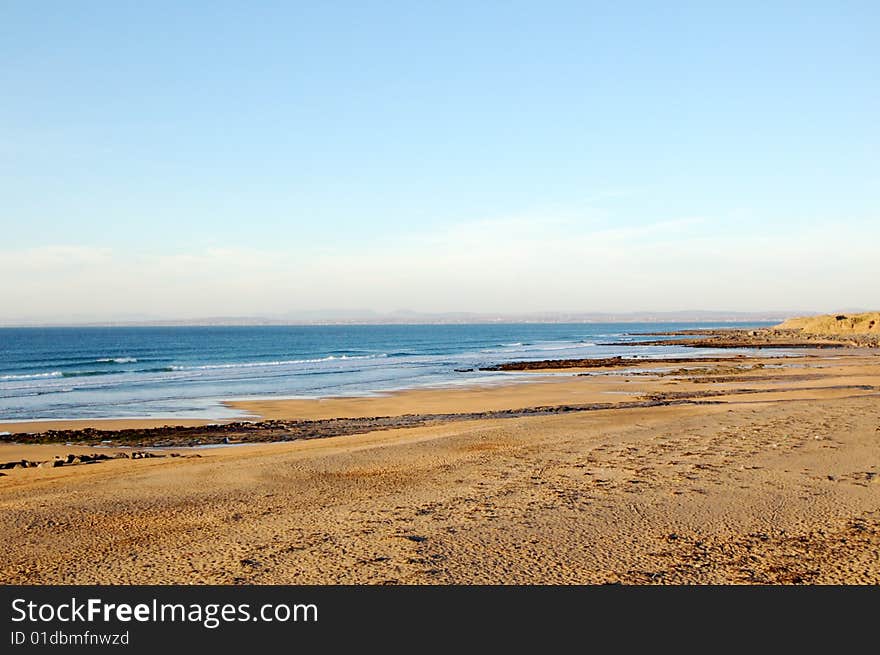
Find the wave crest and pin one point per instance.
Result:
(32, 376)
(207, 367)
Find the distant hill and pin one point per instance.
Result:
(864, 323)
(407, 317)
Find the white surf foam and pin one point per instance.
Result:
(287, 362)
(32, 376)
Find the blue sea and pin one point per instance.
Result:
(119, 372)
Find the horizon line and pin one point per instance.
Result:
(426, 318)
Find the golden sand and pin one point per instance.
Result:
(763, 485)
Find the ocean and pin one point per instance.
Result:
(138, 372)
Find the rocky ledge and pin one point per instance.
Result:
(763, 338)
(598, 362)
(74, 460)
(727, 338)
(275, 431)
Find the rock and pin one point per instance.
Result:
(58, 462)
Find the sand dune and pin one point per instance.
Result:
(833, 324)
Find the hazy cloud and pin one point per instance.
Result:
(513, 265)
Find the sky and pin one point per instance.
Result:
(183, 160)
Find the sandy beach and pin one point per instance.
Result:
(768, 472)
(439, 295)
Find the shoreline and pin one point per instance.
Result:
(515, 376)
(260, 408)
(542, 387)
(398, 400)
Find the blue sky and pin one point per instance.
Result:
(208, 158)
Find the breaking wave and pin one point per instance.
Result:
(32, 376)
(286, 362)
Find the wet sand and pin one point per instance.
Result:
(768, 475)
